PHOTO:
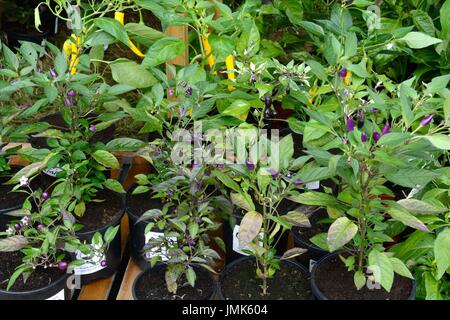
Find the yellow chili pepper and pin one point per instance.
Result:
(208, 52)
(347, 78)
(312, 92)
(120, 16)
(229, 62)
(72, 49)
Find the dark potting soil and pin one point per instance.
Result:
(99, 214)
(57, 121)
(336, 283)
(40, 278)
(152, 286)
(289, 283)
(317, 226)
(9, 199)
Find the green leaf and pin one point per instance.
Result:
(341, 231)
(400, 268)
(106, 159)
(442, 252)
(432, 287)
(445, 21)
(111, 233)
(381, 266)
(297, 218)
(80, 209)
(406, 218)
(286, 151)
(415, 206)
(437, 84)
(125, 144)
(332, 48)
(317, 69)
(411, 178)
(114, 185)
(222, 46)
(292, 253)
(13, 243)
(359, 279)
(313, 198)
(132, 74)
(10, 58)
(27, 171)
(114, 28)
(162, 51)
(244, 202)
(249, 228)
(439, 140)
(191, 276)
(238, 109)
(311, 27)
(320, 240)
(423, 22)
(419, 40)
(227, 180)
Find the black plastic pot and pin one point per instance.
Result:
(161, 265)
(137, 229)
(319, 295)
(103, 136)
(314, 253)
(229, 266)
(14, 37)
(113, 255)
(4, 218)
(45, 293)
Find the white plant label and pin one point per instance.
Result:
(236, 246)
(313, 185)
(155, 251)
(91, 266)
(53, 171)
(59, 296)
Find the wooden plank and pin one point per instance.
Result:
(97, 290)
(180, 32)
(125, 292)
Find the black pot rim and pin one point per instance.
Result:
(114, 222)
(244, 258)
(56, 283)
(215, 286)
(321, 296)
(305, 242)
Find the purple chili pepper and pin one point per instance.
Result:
(68, 102)
(363, 137)
(343, 73)
(386, 129)
(103, 263)
(44, 196)
(297, 182)
(350, 124)
(53, 73)
(71, 93)
(197, 219)
(426, 121)
(376, 136)
(250, 165)
(62, 265)
(92, 128)
(273, 173)
(189, 91)
(18, 227)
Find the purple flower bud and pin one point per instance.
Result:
(103, 263)
(170, 92)
(182, 111)
(189, 91)
(169, 193)
(184, 84)
(273, 173)
(346, 91)
(92, 128)
(44, 196)
(250, 165)
(62, 265)
(191, 242)
(376, 136)
(343, 73)
(40, 226)
(219, 165)
(18, 227)
(361, 117)
(363, 137)
(71, 93)
(197, 219)
(53, 73)
(297, 182)
(68, 102)
(426, 121)
(350, 124)
(268, 101)
(386, 129)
